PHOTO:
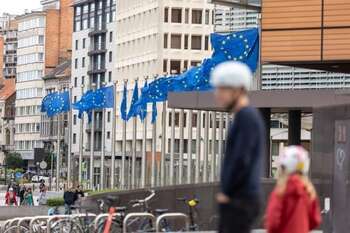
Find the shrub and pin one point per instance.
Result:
(54, 202)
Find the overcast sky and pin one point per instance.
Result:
(18, 6)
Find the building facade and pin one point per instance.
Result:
(274, 76)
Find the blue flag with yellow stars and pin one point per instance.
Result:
(103, 98)
(123, 105)
(154, 112)
(56, 103)
(142, 107)
(134, 106)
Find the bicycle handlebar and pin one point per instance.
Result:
(136, 203)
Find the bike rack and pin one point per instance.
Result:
(133, 215)
(89, 215)
(34, 219)
(55, 217)
(9, 223)
(102, 216)
(172, 216)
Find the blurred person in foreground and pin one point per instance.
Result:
(239, 199)
(293, 206)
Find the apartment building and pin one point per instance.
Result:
(273, 76)
(44, 41)
(8, 46)
(93, 59)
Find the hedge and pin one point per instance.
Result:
(53, 202)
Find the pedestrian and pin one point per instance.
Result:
(293, 205)
(79, 192)
(28, 197)
(10, 197)
(239, 199)
(21, 194)
(42, 200)
(69, 197)
(42, 185)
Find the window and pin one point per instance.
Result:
(75, 99)
(207, 16)
(74, 138)
(186, 42)
(176, 15)
(110, 56)
(165, 40)
(76, 44)
(82, 80)
(76, 63)
(108, 116)
(166, 15)
(197, 16)
(195, 63)
(84, 43)
(185, 64)
(175, 66)
(110, 37)
(83, 62)
(74, 119)
(75, 81)
(206, 42)
(165, 66)
(176, 41)
(110, 76)
(29, 75)
(108, 134)
(196, 43)
(187, 15)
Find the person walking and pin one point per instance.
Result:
(239, 199)
(21, 194)
(293, 205)
(69, 197)
(28, 197)
(10, 197)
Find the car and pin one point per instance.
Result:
(38, 179)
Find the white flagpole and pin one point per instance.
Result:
(58, 155)
(220, 144)
(213, 148)
(69, 157)
(144, 150)
(92, 146)
(102, 162)
(198, 146)
(123, 173)
(170, 174)
(133, 162)
(189, 147)
(181, 147)
(81, 142)
(114, 113)
(206, 146)
(154, 151)
(163, 145)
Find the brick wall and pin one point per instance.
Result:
(52, 39)
(66, 28)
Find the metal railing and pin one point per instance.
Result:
(163, 217)
(137, 215)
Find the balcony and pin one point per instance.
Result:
(97, 49)
(96, 31)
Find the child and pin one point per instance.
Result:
(293, 206)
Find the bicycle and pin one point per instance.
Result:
(192, 211)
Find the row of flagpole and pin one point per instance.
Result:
(202, 166)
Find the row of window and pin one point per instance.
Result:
(30, 41)
(175, 66)
(28, 110)
(30, 58)
(98, 45)
(98, 61)
(29, 75)
(176, 41)
(29, 93)
(180, 15)
(28, 145)
(82, 82)
(28, 128)
(32, 23)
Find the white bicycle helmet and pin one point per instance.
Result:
(231, 74)
(295, 159)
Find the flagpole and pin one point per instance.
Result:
(58, 155)
(144, 150)
(69, 164)
(163, 145)
(170, 174)
(92, 145)
(102, 158)
(189, 147)
(220, 144)
(154, 151)
(133, 162)
(213, 148)
(206, 146)
(113, 135)
(81, 142)
(123, 150)
(198, 146)
(181, 146)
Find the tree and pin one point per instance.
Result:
(14, 160)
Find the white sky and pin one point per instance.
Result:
(18, 6)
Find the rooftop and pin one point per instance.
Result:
(8, 88)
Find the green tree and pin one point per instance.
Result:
(14, 160)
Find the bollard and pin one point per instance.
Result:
(172, 216)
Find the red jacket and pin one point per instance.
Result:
(294, 211)
(10, 198)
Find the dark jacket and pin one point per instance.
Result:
(245, 149)
(69, 197)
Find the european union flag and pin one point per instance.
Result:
(142, 107)
(123, 105)
(240, 46)
(84, 104)
(156, 90)
(154, 112)
(134, 102)
(103, 98)
(56, 103)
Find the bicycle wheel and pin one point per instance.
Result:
(115, 227)
(16, 229)
(66, 226)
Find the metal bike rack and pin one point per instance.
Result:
(89, 215)
(102, 216)
(172, 216)
(55, 217)
(134, 215)
(9, 223)
(33, 220)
